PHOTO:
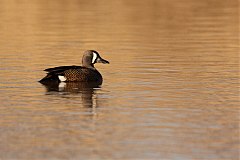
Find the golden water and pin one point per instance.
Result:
(169, 92)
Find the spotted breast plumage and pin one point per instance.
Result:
(82, 74)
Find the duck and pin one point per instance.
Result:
(86, 73)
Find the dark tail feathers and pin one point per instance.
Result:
(49, 78)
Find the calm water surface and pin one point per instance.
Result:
(171, 90)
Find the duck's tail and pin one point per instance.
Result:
(49, 78)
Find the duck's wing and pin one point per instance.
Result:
(61, 69)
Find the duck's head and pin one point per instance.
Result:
(90, 57)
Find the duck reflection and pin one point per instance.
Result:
(87, 91)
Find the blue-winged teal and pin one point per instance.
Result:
(85, 73)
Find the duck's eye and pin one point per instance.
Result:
(94, 57)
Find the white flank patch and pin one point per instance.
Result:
(94, 57)
(61, 86)
(62, 78)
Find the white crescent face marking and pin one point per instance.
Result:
(94, 57)
(62, 78)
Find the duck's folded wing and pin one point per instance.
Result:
(61, 69)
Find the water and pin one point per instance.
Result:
(171, 90)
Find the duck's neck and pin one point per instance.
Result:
(88, 65)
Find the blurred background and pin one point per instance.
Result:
(171, 90)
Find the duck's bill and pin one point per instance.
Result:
(100, 60)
